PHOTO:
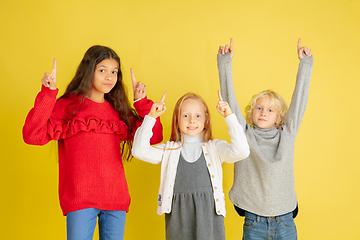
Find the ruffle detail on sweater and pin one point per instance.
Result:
(77, 125)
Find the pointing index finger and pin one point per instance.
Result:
(220, 97)
(231, 43)
(163, 97)
(299, 44)
(54, 68)
(133, 78)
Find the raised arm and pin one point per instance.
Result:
(143, 105)
(40, 127)
(224, 60)
(239, 148)
(300, 95)
(142, 149)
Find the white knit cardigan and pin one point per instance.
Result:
(215, 151)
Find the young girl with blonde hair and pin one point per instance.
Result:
(264, 185)
(191, 193)
(94, 125)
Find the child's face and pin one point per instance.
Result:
(264, 114)
(104, 79)
(192, 117)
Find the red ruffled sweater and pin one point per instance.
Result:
(91, 172)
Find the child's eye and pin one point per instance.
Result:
(258, 108)
(198, 116)
(102, 70)
(114, 72)
(185, 115)
(270, 110)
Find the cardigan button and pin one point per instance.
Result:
(217, 200)
(215, 188)
(206, 154)
(209, 164)
(218, 211)
(213, 176)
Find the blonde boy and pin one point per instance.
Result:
(264, 185)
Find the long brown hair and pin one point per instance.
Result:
(82, 82)
(175, 130)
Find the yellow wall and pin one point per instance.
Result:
(172, 46)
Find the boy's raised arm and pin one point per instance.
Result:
(301, 92)
(224, 59)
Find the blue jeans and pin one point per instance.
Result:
(81, 224)
(278, 228)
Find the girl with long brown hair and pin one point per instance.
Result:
(94, 125)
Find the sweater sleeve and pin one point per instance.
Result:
(239, 148)
(143, 108)
(300, 95)
(226, 85)
(39, 125)
(142, 149)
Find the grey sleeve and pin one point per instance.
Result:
(300, 95)
(226, 85)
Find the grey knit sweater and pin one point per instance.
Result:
(264, 182)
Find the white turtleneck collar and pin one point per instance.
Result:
(192, 148)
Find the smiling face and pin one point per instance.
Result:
(104, 79)
(192, 117)
(265, 114)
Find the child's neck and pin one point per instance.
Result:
(265, 128)
(99, 98)
(193, 139)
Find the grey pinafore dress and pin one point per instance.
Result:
(193, 215)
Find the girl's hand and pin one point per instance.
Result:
(223, 107)
(302, 50)
(138, 87)
(225, 49)
(49, 79)
(158, 108)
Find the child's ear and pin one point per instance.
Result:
(279, 120)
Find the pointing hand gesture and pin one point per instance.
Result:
(223, 107)
(302, 50)
(138, 87)
(49, 79)
(225, 49)
(158, 108)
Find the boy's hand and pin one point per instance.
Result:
(302, 50)
(49, 79)
(138, 87)
(158, 108)
(225, 49)
(223, 107)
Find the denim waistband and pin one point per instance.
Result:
(268, 218)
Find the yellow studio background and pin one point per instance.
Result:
(172, 46)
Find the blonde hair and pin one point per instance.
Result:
(277, 101)
(175, 130)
